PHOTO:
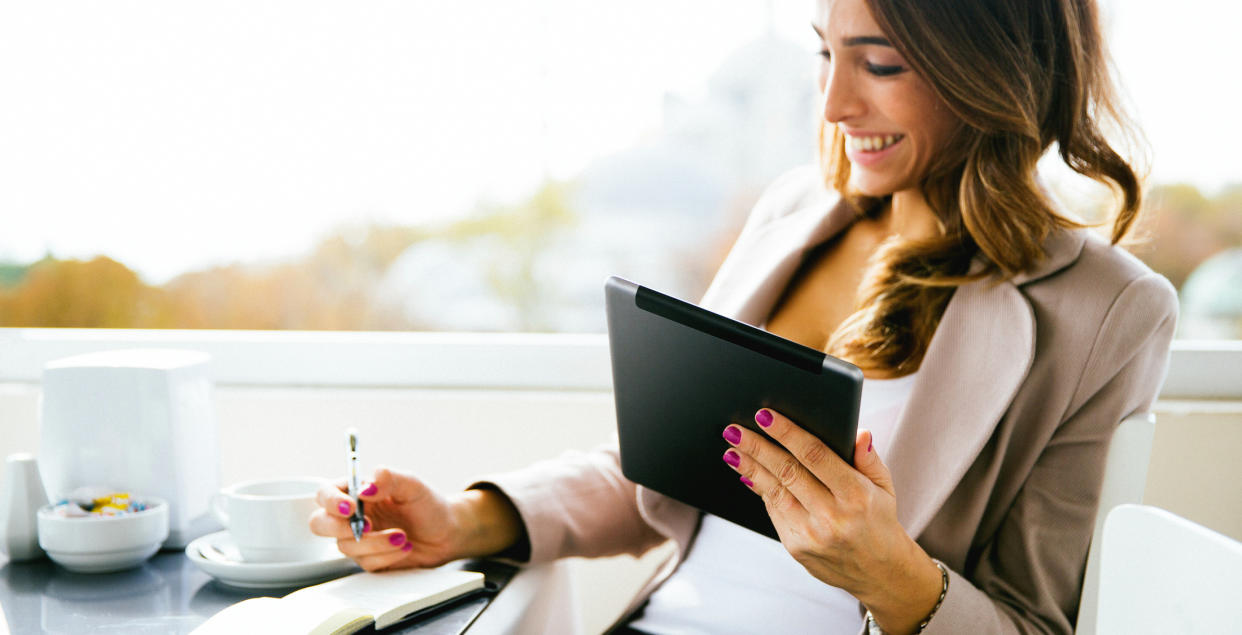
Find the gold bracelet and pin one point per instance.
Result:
(874, 629)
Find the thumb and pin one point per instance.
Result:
(867, 461)
(395, 485)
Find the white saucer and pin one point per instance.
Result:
(217, 555)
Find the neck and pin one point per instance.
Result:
(910, 216)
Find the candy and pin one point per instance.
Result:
(97, 501)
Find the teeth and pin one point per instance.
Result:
(873, 144)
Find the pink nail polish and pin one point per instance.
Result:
(763, 418)
(369, 491)
(732, 458)
(366, 525)
(344, 508)
(396, 539)
(408, 547)
(747, 482)
(733, 435)
(868, 446)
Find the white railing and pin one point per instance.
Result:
(1198, 369)
(341, 359)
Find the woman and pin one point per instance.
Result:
(1001, 344)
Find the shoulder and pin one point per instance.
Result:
(796, 189)
(1105, 276)
(1101, 313)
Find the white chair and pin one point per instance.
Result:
(1161, 573)
(1125, 478)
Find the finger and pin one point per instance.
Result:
(373, 544)
(334, 500)
(753, 452)
(867, 461)
(323, 523)
(781, 504)
(828, 468)
(394, 484)
(388, 560)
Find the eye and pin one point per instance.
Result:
(826, 54)
(884, 71)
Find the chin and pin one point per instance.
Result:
(873, 187)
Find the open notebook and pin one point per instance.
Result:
(346, 605)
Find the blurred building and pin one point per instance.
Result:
(659, 213)
(1211, 298)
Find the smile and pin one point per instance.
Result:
(873, 143)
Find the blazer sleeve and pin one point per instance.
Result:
(578, 504)
(1028, 578)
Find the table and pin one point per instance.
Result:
(167, 594)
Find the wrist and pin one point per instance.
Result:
(909, 600)
(486, 523)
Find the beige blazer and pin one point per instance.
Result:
(998, 456)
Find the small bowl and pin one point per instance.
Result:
(98, 544)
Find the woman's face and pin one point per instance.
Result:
(893, 123)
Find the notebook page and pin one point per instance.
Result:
(270, 615)
(391, 595)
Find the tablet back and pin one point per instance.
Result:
(681, 373)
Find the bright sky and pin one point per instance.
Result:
(171, 135)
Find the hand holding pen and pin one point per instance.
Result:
(406, 523)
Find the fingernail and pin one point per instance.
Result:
(366, 525)
(868, 446)
(732, 458)
(397, 539)
(733, 435)
(344, 508)
(763, 418)
(407, 547)
(747, 482)
(370, 490)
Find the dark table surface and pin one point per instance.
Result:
(167, 594)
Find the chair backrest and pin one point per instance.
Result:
(1125, 478)
(1161, 573)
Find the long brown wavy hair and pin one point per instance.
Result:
(1020, 75)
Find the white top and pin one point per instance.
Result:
(737, 581)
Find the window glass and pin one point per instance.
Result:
(440, 165)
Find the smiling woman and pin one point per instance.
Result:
(1001, 342)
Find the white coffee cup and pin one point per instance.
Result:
(269, 519)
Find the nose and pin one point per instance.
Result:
(841, 98)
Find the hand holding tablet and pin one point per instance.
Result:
(681, 374)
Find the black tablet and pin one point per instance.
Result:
(681, 373)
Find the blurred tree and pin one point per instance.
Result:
(12, 273)
(99, 293)
(525, 230)
(1184, 228)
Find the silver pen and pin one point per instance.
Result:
(356, 520)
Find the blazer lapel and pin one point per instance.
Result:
(973, 368)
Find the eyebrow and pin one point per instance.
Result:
(867, 39)
(858, 40)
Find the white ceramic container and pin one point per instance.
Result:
(99, 544)
(137, 420)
